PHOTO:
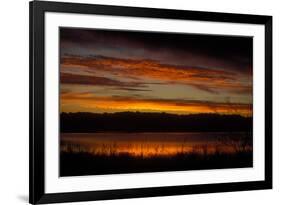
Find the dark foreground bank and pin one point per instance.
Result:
(83, 163)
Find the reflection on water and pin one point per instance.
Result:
(156, 144)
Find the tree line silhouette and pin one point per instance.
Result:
(84, 122)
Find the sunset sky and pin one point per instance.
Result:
(115, 71)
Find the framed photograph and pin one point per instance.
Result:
(140, 102)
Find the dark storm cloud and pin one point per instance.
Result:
(226, 52)
(67, 78)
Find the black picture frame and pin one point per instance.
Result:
(37, 10)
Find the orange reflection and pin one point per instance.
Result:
(149, 149)
(112, 145)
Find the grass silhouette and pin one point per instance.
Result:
(75, 160)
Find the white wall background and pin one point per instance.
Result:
(14, 100)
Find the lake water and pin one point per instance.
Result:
(152, 144)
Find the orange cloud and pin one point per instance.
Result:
(210, 80)
(113, 104)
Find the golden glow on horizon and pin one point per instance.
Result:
(71, 102)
